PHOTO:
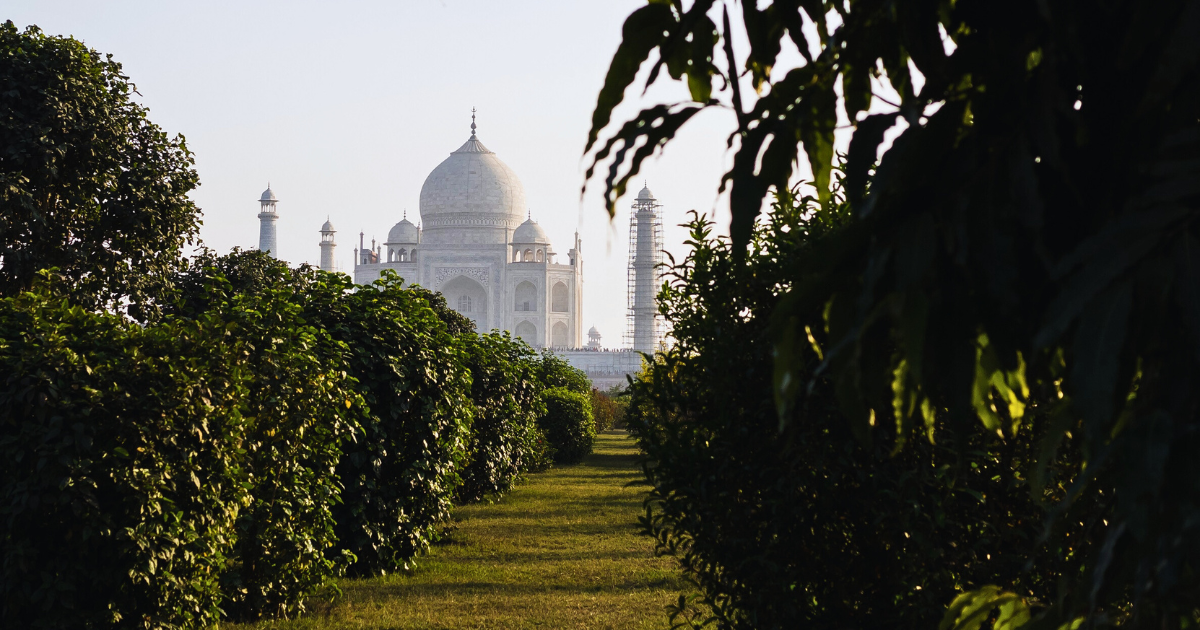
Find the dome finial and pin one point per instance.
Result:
(406, 214)
(472, 122)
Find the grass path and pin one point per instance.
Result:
(561, 551)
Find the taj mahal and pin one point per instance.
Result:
(479, 246)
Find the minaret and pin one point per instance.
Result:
(327, 246)
(645, 274)
(267, 241)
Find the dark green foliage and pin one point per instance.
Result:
(812, 527)
(402, 470)
(539, 452)
(87, 184)
(120, 470)
(568, 424)
(505, 393)
(300, 407)
(556, 372)
(1031, 237)
(456, 323)
(619, 396)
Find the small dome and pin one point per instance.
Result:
(593, 332)
(645, 194)
(328, 227)
(530, 232)
(403, 232)
(268, 195)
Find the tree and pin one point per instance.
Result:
(1032, 229)
(88, 185)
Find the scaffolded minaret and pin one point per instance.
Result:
(327, 246)
(267, 241)
(645, 273)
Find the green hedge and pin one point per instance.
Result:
(505, 393)
(568, 424)
(402, 469)
(266, 431)
(120, 472)
(300, 408)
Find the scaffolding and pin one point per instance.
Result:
(644, 325)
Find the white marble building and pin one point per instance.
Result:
(478, 246)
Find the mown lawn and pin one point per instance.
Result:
(561, 551)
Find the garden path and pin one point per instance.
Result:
(561, 551)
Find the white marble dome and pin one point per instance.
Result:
(268, 195)
(530, 232)
(471, 197)
(403, 232)
(645, 194)
(327, 226)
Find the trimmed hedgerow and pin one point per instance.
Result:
(120, 474)
(301, 406)
(568, 424)
(403, 467)
(269, 429)
(400, 466)
(504, 390)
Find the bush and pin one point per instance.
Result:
(539, 452)
(568, 424)
(120, 474)
(504, 390)
(604, 410)
(300, 407)
(619, 395)
(402, 469)
(554, 371)
(813, 525)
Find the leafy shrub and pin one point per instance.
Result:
(1018, 242)
(402, 468)
(504, 391)
(120, 474)
(301, 406)
(554, 371)
(568, 424)
(814, 525)
(603, 409)
(539, 452)
(619, 395)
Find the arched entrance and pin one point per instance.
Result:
(525, 297)
(558, 336)
(528, 333)
(469, 298)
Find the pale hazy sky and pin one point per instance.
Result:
(346, 107)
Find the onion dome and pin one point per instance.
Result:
(403, 232)
(328, 226)
(268, 195)
(592, 332)
(645, 194)
(471, 197)
(530, 232)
